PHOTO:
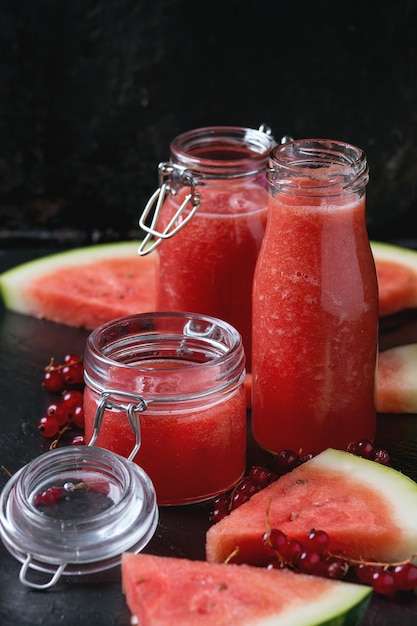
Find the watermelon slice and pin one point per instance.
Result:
(397, 277)
(165, 591)
(397, 380)
(91, 285)
(84, 287)
(368, 510)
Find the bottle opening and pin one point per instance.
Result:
(318, 166)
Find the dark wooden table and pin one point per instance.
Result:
(26, 345)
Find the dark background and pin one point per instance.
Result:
(93, 91)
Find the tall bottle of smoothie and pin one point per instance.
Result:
(211, 214)
(315, 299)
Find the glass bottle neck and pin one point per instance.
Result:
(318, 167)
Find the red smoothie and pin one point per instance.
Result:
(315, 325)
(191, 452)
(207, 267)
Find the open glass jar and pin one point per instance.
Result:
(166, 390)
(209, 213)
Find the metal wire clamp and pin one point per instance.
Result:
(193, 199)
(132, 412)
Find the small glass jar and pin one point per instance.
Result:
(73, 511)
(166, 390)
(211, 216)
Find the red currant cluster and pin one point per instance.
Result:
(281, 463)
(257, 478)
(60, 376)
(312, 556)
(66, 379)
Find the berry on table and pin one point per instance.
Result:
(48, 426)
(67, 379)
(53, 380)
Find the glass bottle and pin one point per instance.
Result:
(315, 299)
(213, 198)
(166, 391)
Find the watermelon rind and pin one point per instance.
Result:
(396, 382)
(346, 605)
(12, 281)
(396, 268)
(394, 253)
(167, 590)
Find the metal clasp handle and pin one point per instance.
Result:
(132, 412)
(54, 579)
(193, 199)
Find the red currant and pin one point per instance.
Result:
(365, 572)
(383, 581)
(71, 358)
(220, 509)
(58, 410)
(275, 539)
(366, 449)
(292, 550)
(48, 497)
(309, 562)
(242, 494)
(261, 476)
(73, 374)
(382, 456)
(405, 576)
(336, 568)
(72, 399)
(53, 380)
(286, 460)
(317, 540)
(77, 417)
(48, 426)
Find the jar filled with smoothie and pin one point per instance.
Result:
(210, 213)
(315, 299)
(166, 391)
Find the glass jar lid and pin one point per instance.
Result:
(74, 510)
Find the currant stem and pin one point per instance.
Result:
(6, 471)
(56, 441)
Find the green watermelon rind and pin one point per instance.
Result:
(396, 254)
(397, 371)
(13, 281)
(346, 606)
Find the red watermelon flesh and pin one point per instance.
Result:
(397, 277)
(85, 287)
(167, 591)
(397, 380)
(368, 510)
